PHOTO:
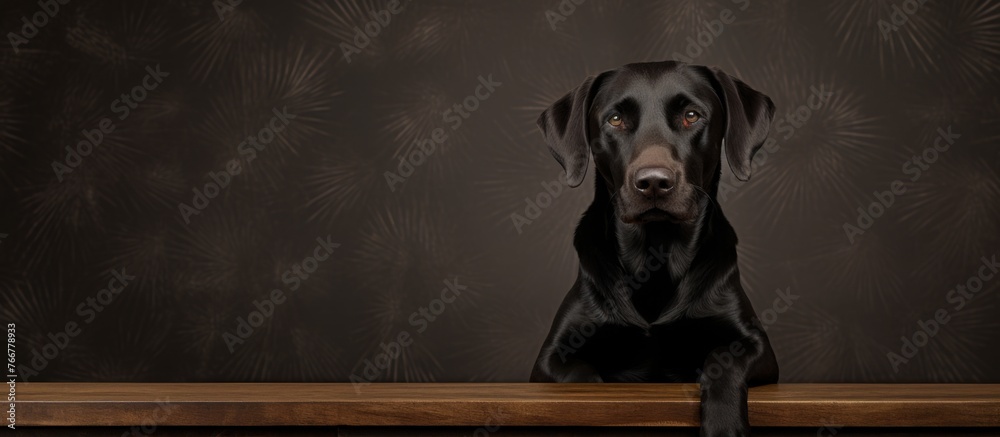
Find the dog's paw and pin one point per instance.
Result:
(722, 424)
(583, 373)
(725, 431)
(585, 377)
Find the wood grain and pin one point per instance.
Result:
(504, 404)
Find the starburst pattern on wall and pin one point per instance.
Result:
(227, 39)
(386, 317)
(410, 251)
(954, 221)
(753, 260)
(973, 45)
(435, 28)
(416, 110)
(818, 157)
(121, 41)
(948, 106)
(200, 330)
(523, 168)
(504, 343)
(216, 249)
(11, 124)
(291, 90)
(23, 68)
(864, 267)
(32, 305)
(346, 181)
(677, 20)
(62, 212)
(553, 80)
(953, 353)
(311, 356)
(146, 255)
(778, 28)
(77, 118)
(869, 27)
(155, 186)
(402, 264)
(325, 175)
(816, 345)
(338, 23)
(138, 340)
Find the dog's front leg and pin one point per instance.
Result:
(554, 370)
(560, 359)
(724, 385)
(557, 363)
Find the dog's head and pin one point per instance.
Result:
(656, 131)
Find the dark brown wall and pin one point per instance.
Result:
(324, 177)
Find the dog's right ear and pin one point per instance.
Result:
(748, 120)
(566, 127)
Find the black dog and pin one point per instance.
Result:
(658, 296)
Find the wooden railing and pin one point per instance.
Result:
(495, 405)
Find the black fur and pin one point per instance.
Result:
(658, 296)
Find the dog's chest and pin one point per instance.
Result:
(669, 352)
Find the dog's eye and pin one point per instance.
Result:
(691, 117)
(616, 120)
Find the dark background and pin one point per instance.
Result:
(323, 176)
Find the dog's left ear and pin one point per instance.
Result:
(749, 114)
(565, 126)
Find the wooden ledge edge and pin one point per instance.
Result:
(499, 404)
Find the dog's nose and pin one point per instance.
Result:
(653, 181)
